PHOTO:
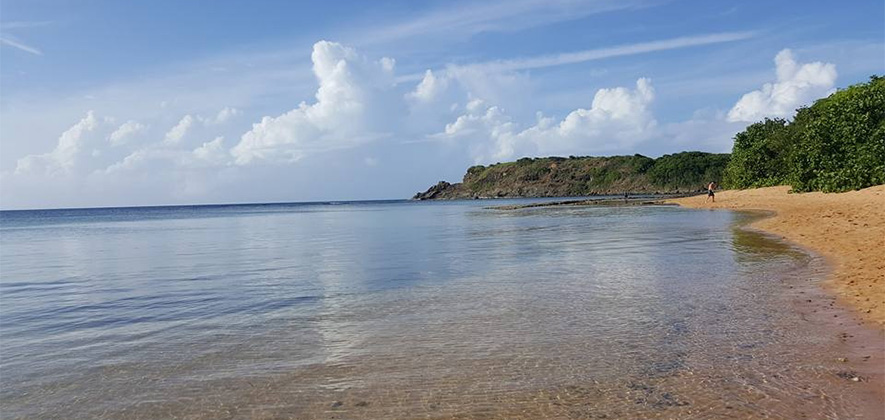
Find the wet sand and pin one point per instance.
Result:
(848, 229)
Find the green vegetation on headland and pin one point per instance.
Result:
(837, 144)
(582, 176)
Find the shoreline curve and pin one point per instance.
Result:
(847, 229)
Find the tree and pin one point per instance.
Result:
(841, 140)
(759, 155)
(687, 169)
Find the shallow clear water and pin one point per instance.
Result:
(405, 310)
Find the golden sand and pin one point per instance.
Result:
(846, 228)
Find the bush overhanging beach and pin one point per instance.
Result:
(837, 144)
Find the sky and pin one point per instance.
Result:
(109, 103)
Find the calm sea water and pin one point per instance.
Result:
(403, 310)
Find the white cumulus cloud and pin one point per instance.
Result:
(430, 87)
(63, 158)
(350, 108)
(212, 152)
(125, 132)
(616, 114)
(797, 85)
(617, 119)
(223, 116)
(176, 133)
(159, 156)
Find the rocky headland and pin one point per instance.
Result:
(679, 173)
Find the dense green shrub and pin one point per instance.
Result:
(837, 144)
(475, 170)
(641, 164)
(759, 156)
(692, 169)
(840, 141)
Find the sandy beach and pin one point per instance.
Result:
(846, 228)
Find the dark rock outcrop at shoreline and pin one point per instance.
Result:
(433, 192)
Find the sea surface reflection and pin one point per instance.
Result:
(407, 310)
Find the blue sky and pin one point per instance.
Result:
(106, 103)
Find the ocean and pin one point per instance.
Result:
(400, 309)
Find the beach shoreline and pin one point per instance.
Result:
(847, 229)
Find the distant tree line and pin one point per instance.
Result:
(837, 144)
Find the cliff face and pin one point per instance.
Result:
(583, 176)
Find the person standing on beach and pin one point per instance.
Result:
(710, 187)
